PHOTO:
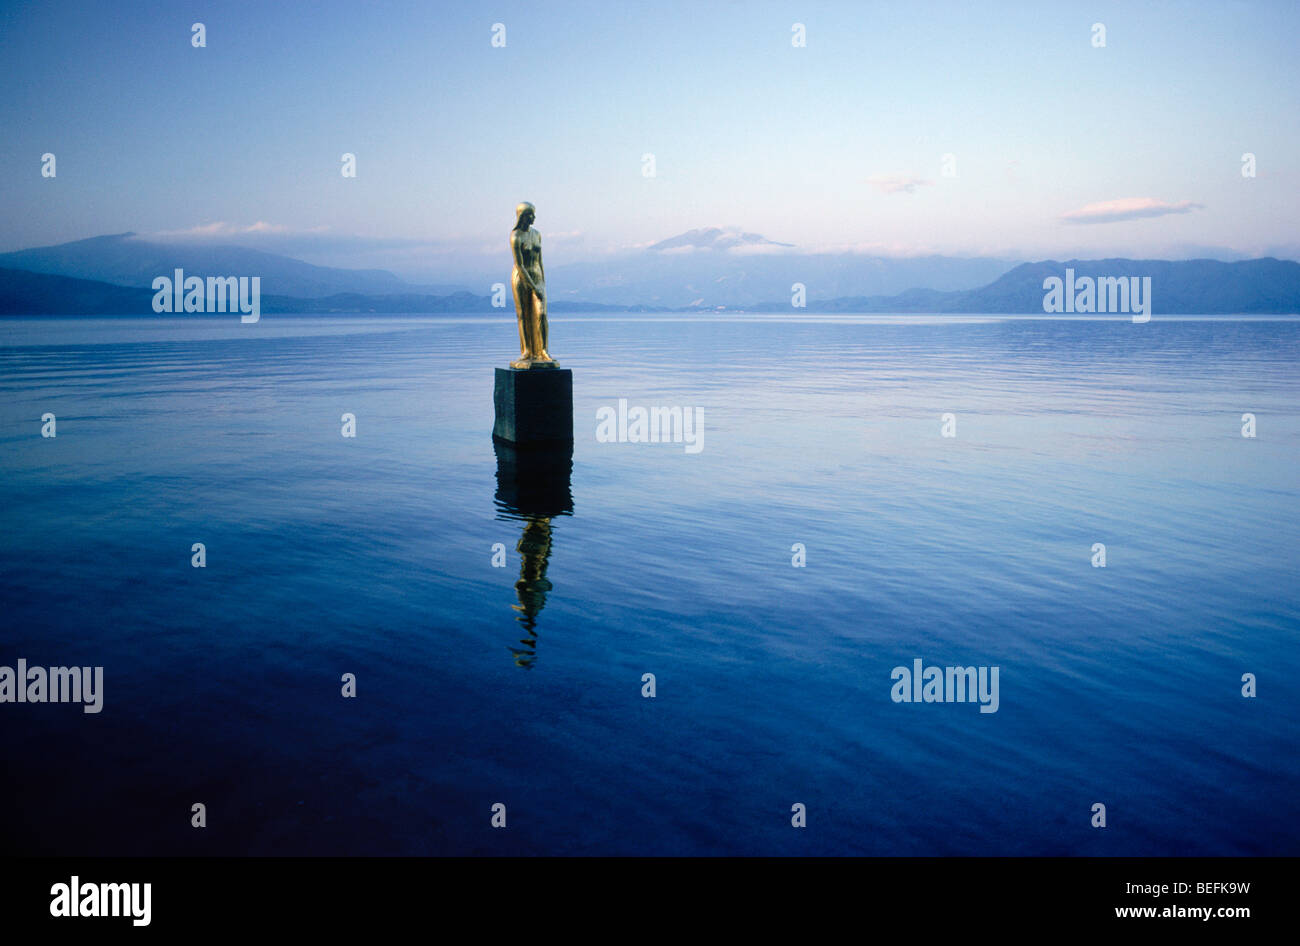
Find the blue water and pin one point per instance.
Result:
(373, 556)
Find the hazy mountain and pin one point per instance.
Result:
(1189, 287)
(1185, 287)
(714, 238)
(727, 267)
(128, 260)
(24, 293)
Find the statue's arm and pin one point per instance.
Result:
(541, 286)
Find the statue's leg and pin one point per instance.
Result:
(539, 329)
(534, 338)
(526, 324)
(523, 301)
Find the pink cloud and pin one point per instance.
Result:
(1128, 208)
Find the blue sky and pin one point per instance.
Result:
(813, 146)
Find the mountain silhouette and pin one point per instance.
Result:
(126, 259)
(1185, 287)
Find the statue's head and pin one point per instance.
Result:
(525, 214)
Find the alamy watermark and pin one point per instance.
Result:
(1103, 294)
(87, 899)
(684, 425)
(919, 684)
(56, 685)
(181, 293)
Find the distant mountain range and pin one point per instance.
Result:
(706, 267)
(714, 238)
(1185, 287)
(126, 259)
(1191, 287)
(26, 293)
(719, 266)
(702, 270)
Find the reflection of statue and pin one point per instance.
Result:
(532, 487)
(534, 551)
(529, 284)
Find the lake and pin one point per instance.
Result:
(822, 442)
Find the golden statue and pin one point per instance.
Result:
(529, 284)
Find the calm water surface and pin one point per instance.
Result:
(373, 556)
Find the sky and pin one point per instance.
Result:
(1060, 148)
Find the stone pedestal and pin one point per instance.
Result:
(534, 406)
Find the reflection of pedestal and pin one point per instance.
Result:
(534, 482)
(534, 406)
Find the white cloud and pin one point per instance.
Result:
(1128, 208)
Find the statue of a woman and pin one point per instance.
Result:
(529, 284)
